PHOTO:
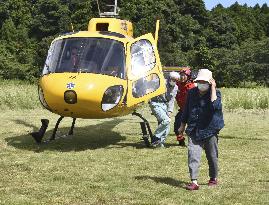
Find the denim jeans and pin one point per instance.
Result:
(159, 110)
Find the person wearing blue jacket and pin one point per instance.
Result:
(204, 118)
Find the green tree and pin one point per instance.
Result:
(221, 30)
(203, 59)
(255, 57)
(195, 8)
(50, 17)
(81, 12)
(248, 26)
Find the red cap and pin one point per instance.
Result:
(186, 70)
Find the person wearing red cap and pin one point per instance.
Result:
(184, 84)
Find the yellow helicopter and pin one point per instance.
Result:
(103, 72)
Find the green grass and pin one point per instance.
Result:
(106, 163)
(21, 95)
(18, 95)
(245, 98)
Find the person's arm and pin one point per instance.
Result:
(213, 90)
(215, 96)
(171, 103)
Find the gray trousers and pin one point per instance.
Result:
(210, 145)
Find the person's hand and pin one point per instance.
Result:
(169, 114)
(213, 90)
(181, 129)
(184, 78)
(212, 83)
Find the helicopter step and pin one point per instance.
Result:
(38, 136)
(146, 130)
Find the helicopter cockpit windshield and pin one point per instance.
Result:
(88, 55)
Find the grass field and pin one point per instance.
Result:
(106, 163)
(20, 95)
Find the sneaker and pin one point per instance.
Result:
(212, 182)
(182, 143)
(156, 143)
(181, 140)
(155, 140)
(192, 186)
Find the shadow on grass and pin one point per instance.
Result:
(90, 137)
(21, 122)
(164, 180)
(138, 145)
(241, 138)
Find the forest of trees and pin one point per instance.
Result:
(233, 42)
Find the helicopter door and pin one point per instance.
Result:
(145, 76)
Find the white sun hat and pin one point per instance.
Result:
(204, 74)
(174, 75)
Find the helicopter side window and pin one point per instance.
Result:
(145, 85)
(142, 57)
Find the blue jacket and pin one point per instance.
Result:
(204, 118)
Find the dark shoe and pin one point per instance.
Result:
(192, 186)
(156, 143)
(154, 139)
(212, 182)
(182, 143)
(181, 140)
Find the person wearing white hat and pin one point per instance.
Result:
(162, 107)
(204, 118)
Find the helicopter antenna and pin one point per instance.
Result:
(72, 27)
(98, 7)
(113, 13)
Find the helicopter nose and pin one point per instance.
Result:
(86, 96)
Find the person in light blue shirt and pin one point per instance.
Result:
(162, 108)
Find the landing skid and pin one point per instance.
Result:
(38, 136)
(146, 130)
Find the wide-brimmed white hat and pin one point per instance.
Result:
(204, 74)
(174, 75)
